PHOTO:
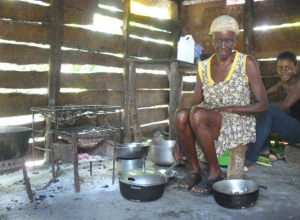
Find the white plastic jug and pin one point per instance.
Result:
(185, 49)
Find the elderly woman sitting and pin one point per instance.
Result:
(221, 115)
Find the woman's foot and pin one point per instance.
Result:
(204, 188)
(187, 182)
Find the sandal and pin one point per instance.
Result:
(264, 161)
(206, 187)
(191, 179)
(272, 157)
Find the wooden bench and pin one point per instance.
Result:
(236, 163)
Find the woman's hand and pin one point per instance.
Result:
(178, 154)
(223, 109)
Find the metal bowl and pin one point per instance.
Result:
(132, 150)
(237, 193)
(170, 175)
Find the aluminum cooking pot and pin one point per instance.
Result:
(142, 185)
(124, 165)
(14, 142)
(161, 152)
(237, 193)
(132, 150)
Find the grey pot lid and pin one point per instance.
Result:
(143, 177)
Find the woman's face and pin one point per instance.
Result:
(224, 43)
(286, 69)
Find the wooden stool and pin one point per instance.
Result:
(236, 162)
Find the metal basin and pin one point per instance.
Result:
(132, 150)
(14, 142)
(236, 193)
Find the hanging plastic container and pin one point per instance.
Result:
(185, 49)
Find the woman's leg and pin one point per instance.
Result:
(206, 125)
(186, 137)
(186, 140)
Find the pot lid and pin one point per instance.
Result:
(143, 177)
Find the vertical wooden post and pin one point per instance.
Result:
(175, 81)
(175, 78)
(177, 32)
(248, 27)
(236, 162)
(126, 109)
(55, 59)
(56, 39)
(133, 106)
(75, 164)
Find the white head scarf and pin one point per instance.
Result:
(224, 23)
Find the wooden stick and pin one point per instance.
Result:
(27, 182)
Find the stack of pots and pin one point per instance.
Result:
(131, 156)
(137, 183)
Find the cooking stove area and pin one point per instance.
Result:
(74, 136)
(16, 152)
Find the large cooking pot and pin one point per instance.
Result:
(14, 142)
(142, 185)
(132, 150)
(161, 152)
(237, 193)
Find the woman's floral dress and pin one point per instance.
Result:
(233, 91)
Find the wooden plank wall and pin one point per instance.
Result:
(268, 43)
(22, 23)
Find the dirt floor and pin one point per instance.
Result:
(100, 199)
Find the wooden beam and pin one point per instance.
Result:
(137, 134)
(55, 57)
(177, 32)
(126, 105)
(175, 79)
(162, 24)
(248, 27)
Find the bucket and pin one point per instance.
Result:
(185, 49)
